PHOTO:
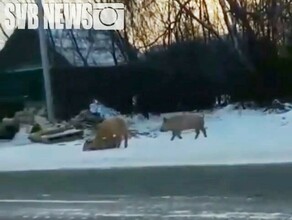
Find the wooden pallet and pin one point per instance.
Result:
(56, 136)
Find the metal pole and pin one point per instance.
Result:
(45, 63)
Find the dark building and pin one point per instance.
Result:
(21, 76)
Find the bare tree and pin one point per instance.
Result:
(113, 48)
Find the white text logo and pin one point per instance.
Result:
(99, 16)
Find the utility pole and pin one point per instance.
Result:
(45, 63)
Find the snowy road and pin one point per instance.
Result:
(151, 209)
(241, 192)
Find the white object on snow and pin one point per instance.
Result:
(107, 112)
(102, 110)
(93, 108)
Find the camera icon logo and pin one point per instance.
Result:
(109, 16)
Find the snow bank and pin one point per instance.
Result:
(234, 137)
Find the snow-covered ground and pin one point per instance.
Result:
(234, 137)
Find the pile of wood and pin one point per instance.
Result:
(85, 120)
(39, 128)
(56, 135)
(10, 126)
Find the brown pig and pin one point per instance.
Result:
(179, 123)
(110, 134)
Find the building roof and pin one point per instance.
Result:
(22, 51)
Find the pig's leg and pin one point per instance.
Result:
(197, 133)
(112, 144)
(173, 136)
(176, 134)
(204, 132)
(118, 143)
(126, 140)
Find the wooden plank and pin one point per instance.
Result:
(64, 136)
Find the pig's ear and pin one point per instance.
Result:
(164, 119)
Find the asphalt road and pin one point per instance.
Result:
(225, 192)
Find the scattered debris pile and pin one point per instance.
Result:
(8, 128)
(245, 105)
(56, 135)
(278, 107)
(40, 130)
(85, 120)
